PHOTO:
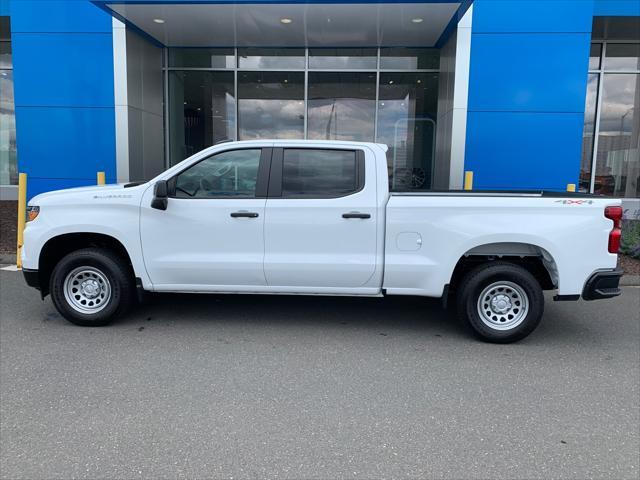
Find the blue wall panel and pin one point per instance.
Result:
(529, 72)
(75, 143)
(527, 91)
(616, 8)
(522, 150)
(545, 16)
(58, 16)
(58, 69)
(63, 72)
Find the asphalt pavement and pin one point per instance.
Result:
(243, 386)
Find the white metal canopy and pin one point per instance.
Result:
(289, 24)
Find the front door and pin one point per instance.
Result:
(320, 226)
(210, 237)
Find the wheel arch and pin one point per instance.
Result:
(535, 259)
(58, 246)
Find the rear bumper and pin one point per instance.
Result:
(602, 284)
(32, 277)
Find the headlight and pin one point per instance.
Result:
(32, 212)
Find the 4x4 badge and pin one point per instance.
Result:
(575, 202)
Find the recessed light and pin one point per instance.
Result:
(417, 20)
(419, 81)
(286, 81)
(286, 21)
(158, 20)
(390, 82)
(185, 103)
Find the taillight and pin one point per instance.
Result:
(615, 214)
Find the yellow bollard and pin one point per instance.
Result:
(571, 187)
(101, 178)
(468, 180)
(22, 214)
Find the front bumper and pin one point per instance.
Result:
(32, 277)
(602, 284)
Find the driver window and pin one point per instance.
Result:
(228, 174)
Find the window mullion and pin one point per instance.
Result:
(375, 112)
(596, 132)
(306, 94)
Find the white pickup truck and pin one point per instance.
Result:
(317, 218)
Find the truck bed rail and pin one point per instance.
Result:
(498, 193)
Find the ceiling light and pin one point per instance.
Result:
(419, 81)
(158, 20)
(285, 21)
(417, 20)
(390, 82)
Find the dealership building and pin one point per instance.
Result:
(526, 94)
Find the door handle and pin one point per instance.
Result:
(244, 215)
(356, 215)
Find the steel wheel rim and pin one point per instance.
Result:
(87, 290)
(503, 305)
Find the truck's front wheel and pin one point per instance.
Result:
(501, 302)
(91, 286)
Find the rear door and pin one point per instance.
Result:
(320, 219)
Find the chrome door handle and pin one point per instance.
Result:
(244, 215)
(356, 215)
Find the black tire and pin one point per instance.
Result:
(112, 267)
(518, 281)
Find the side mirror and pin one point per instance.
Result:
(160, 195)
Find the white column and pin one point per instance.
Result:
(121, 99)
(460, 99)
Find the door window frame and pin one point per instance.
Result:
(277, 165)
(262, 179)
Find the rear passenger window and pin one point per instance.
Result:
(320, 173)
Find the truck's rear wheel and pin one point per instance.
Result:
(501, 302)
(92, 286)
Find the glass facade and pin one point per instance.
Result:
(8, 156)
(343, 58)
(270, 105)
(407, 109)
(611, 136)
(202, 109)
(386, 95)
(341, 106)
